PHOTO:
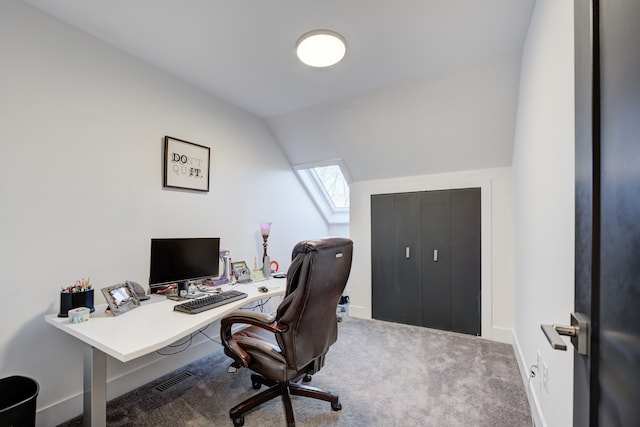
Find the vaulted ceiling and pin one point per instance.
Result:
(426, 86)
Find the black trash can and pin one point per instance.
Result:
(18, 401)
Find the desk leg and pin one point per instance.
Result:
(95, 388)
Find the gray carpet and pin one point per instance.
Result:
(386, 374)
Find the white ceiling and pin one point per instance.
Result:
(243, 51)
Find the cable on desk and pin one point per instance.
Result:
(260, 305)
(211, 289)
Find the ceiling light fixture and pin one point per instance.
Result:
(321, 48)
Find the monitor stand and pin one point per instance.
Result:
(183, 288)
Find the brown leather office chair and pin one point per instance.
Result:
(288, 348)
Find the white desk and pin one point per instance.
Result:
(156, 325)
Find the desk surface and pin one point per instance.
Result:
(154, 324)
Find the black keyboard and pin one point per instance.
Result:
(208, 302)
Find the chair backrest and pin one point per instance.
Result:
(315, 281)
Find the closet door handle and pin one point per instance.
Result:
(435, 255)
(407, 252)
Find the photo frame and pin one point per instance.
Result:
(241, 271)
(121, 298)
(186, 165)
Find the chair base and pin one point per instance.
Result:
(285, 390)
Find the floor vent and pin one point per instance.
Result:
(173, 381)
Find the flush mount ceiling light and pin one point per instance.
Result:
(321, 48)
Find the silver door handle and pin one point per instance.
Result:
(407, 252)
(435, 255)
(578, 331)
(553, 335)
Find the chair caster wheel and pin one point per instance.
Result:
(238, 422)
(256, 385)
(336, 406)
(307, 378)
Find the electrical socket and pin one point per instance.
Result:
(545, 377)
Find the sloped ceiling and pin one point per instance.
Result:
(426, 86)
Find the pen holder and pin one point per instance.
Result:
(70, 300)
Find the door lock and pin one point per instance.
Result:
(578, 331)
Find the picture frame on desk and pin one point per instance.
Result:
(121, 298)
(186, 165)
(241, 271)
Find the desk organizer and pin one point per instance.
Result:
(70, 300)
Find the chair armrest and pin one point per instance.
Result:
(246, 318)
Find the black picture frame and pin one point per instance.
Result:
(186, 165)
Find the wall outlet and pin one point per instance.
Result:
(545, 377)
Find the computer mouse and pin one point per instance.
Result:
(263, 289)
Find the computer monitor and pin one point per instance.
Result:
(181, 261)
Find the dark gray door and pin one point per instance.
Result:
(586, 236)
(465, 261)
(436, 260)
(395, 258)
(426, 259)
(451, 260)
(607, 381)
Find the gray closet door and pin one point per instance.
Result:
(426, 259)
(465, 261)
(436, 260)
(395, 258)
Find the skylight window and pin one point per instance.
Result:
(334, 186)
(328, 185)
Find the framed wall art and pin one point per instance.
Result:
(186, 165)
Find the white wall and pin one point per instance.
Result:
(81, 189)
(543, 167)
(497, 240)
(339, 230)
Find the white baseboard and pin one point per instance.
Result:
(504, 335)
(534, 402)
(359, 311)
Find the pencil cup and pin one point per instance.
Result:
(70, 300)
